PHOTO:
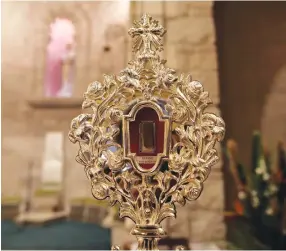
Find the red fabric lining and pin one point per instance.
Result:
(146, 114)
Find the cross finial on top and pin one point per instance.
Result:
(148, 35)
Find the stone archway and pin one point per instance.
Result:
(82, 24)
(273, 123)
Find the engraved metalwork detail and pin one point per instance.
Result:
(147, 198)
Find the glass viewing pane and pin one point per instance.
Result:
(147, 137)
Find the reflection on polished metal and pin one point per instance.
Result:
(144, 186)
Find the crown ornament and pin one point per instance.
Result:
(125, 138)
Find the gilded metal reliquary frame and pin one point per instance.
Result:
(147, 196)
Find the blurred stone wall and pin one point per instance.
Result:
(25, 35)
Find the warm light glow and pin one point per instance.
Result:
(62, 32)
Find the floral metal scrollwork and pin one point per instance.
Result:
(145, 198)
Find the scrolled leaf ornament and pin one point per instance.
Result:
(147, 180)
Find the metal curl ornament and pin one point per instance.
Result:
(147, 183)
